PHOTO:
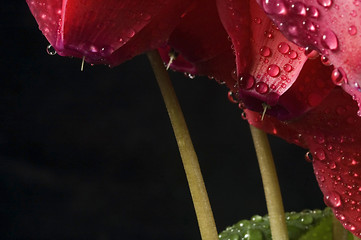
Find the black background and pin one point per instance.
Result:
(91, 155)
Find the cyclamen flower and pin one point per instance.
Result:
(270, 67)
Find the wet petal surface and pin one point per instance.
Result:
(328, 26)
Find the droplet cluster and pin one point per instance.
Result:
(300, 22)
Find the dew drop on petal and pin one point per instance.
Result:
(257, 20)
(325, 3)
(337, 77)
(283, 48)
(287, 67)
(313, 12)
(246, 82)
(293, 54)
(329, 40)
(265, 51)
(273, 70)
(320, 154)
(352, 30)
(333, 200)
(262, 88)
(299, 8)
(274, 7)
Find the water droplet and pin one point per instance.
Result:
(325, 61)
(130, 33)
(329, 40)
(320, 154)
(313, 12)
(292, 54)
(333, 165)
(333, 200)
(246, 82)
(287, 67)
(50, 50)
(262, 88)
(189, 75)
(310, 26)
(352, 30)
(232, 97)
(308, 157)
(299, 8)
(273, 70)
(325, 3)
(265, 51)
(274, 7)
(337, 77)
(307, 219)
(257, 20)
(311, 54)
(283, 48)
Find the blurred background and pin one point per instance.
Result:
(91, 155)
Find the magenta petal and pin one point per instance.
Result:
(331, 131)
(96, 29)
(235, 17)
(331, 27)
(202, 44)
(48, 14)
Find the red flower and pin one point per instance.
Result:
(235, 42)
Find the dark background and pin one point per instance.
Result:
(91, 155)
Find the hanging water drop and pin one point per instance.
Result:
(310, 53)
(325, 61)
(232, 97)
(308, 157)
(329, 40)
(50, 50)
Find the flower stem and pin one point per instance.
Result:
(196, 184)
(338, 231)
(270, 185)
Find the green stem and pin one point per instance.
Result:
(196, 184)
(270, 185)
(339, 232)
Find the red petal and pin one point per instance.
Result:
(96, 30)
(202, 44)
(48, 15)
(329, 26)
(275, 65)
(332, 133)
(235, 17)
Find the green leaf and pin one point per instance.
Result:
(306, 225)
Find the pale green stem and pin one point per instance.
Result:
(270, 185)
(196, 184)
(355, 238)
(339, 232)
